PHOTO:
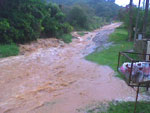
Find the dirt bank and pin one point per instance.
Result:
(58, 79)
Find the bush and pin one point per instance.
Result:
(24, 21)
(77, 17)
(67, 38)
(4, 30)
(67, 28)
(124, 16)
(51, 26)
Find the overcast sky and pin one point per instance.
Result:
(125, 2)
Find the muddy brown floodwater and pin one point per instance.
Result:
(58, 79)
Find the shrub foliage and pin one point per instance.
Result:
(22, 21)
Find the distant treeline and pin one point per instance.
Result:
(22, 21)
(102, 8)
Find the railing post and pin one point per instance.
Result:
(137, 94)
(118, 60)
(131, 71)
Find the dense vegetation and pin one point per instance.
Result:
(102, 8)
(94, 12)
(124, 16)
(22, 21)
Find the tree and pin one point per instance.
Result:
(130, 29)
(145, 18)
(22, 21)
(78, 17)
(137, 20)
(106, 9)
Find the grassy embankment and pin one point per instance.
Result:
(110, 57)
(123, 107)
(8, 50)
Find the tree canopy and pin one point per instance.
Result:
(22, 21)
(102, 8)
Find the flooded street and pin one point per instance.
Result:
(59, 79)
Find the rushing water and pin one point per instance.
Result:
(58, 79)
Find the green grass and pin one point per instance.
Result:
(119, 36)
(128, 107)
(67, 38)
(110, 56)
(123, 107)
(8, 50)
